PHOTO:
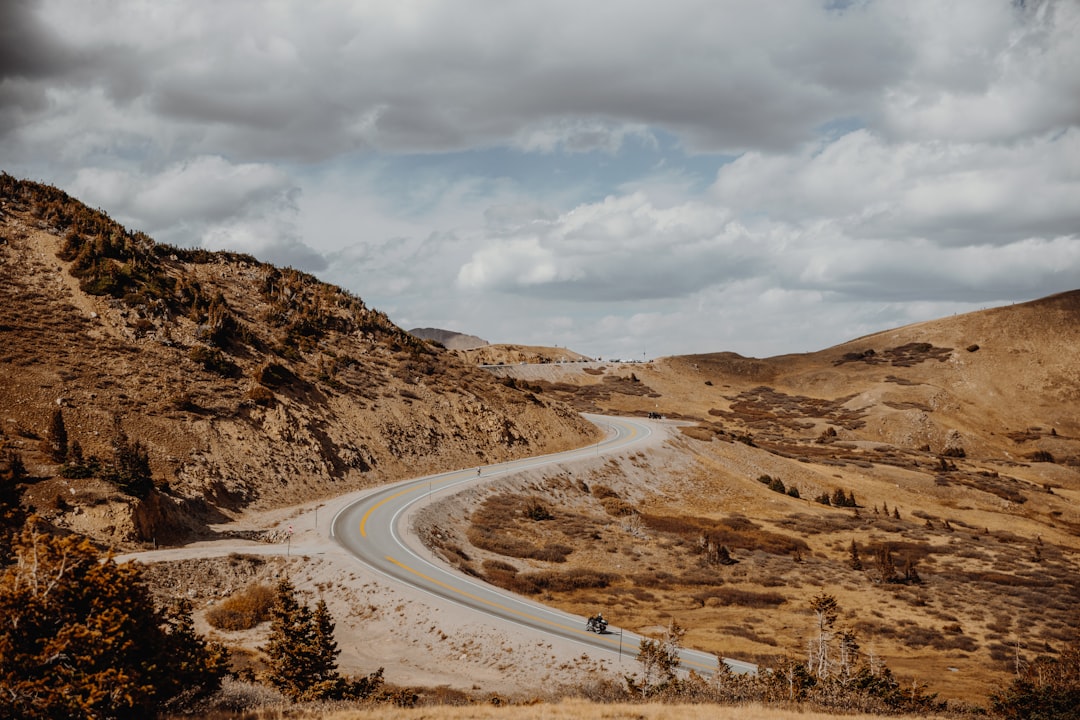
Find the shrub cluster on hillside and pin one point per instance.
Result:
(81, 637)
(834, 677)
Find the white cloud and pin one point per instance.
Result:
(208, 187)
(986, 71)
(517, 263)
(957, 194)
(886, 161)
(621, 248)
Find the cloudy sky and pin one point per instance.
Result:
(624, 178)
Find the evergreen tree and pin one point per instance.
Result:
(81, 638)
(56, 439)
(75, 454)
(292, 640)
(325, 648)
(302, 652)
(76, 465)
(131, 465)
(856, 561)
(191, 658)
(12, 515)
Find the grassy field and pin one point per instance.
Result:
(569, 710)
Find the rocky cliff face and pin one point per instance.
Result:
(246, 386)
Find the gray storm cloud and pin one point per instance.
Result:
(871, 153)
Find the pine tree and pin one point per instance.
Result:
(839, 498)
(856, 561)
(884, 564)
(325, 648)
(56, 439)
(12, 515)
(81, 638)
(191, 658)
(131, 465)
(292, 639)
(302, 653)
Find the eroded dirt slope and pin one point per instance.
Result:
(248, 386)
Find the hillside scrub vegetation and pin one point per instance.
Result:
(925, 478)
(157, 390)
(935, 589)
(81, 638)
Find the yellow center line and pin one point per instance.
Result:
(376, 506)
(633, 432)
(490, 603)
(388, 498)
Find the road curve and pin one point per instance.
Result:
(373, 530)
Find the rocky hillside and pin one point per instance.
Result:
(192, 385)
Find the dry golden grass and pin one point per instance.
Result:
(945, 435)
(243, 610)
(570, 710)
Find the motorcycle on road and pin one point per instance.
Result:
(596, 624)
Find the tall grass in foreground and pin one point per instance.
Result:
(566, 710)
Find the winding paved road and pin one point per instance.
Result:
(374, 530)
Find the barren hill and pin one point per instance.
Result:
(509, 354)
(244, 385)
(927, 476)
(449, 339)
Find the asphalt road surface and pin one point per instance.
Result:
(373, 529)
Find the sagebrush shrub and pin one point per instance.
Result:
(243, 610)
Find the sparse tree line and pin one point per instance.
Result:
(837, 675)
(128, 468)
(82, 638)
(882, 565)
(837, 498)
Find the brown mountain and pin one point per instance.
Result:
(928, 477)
(241, 385)
(449, 339)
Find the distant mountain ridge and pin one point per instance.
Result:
(449, 339)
